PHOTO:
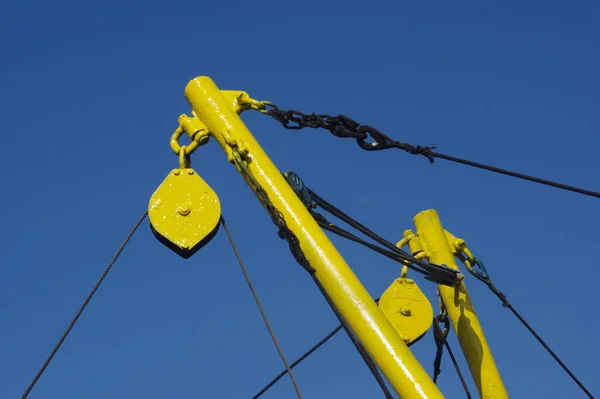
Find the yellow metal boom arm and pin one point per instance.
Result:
(217, 111)
(439, 246)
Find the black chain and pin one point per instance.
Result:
(371, 139)
(344, 127)
(276, 216)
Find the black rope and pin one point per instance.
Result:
(294, 244)
(310, 199)
(517, 175)
(397, 252)
(370, 364)
(440, 336)
(508, 305)
(484, 277)
(260, 308)
(460, 375)
(83, 306)
(301, 358)
(327, 206)
(342, 126)
(298, 361)
(433, 272)
(325, 225)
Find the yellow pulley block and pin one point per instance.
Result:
(407, 309)
(184, 212)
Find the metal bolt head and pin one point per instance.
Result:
(405, 311)
(190, 172)
(183, 210)
(176, 172)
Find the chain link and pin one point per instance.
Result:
(342, 126)
(477, 269)
(276, 216)
(368, 137)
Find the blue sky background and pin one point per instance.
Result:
(90, 94)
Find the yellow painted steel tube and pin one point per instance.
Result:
(460, 309)
(218, 113)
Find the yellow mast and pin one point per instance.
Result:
(440, 247)
(217, 111)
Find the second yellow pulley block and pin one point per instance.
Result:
(184, 212)
(407, 309)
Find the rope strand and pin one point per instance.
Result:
(460, 375)
(508, 305)
(357, 344)
(83, 306)
(439, 274)
(306, 354)
(298, 361)
(521, 176)
(260, 308)
(482, 275)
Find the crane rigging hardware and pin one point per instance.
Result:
(215, 113)
(185, 214)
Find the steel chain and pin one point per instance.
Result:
(276, 216)
(344, 127)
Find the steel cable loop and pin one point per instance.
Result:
(325, 225)
(439, 274)
(440, 336)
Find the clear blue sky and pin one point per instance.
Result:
(90, 94)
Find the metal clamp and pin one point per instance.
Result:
(250, 103)
(474, 266)
(194, 129)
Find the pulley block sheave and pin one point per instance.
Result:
(407, 309)
(184, 212)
